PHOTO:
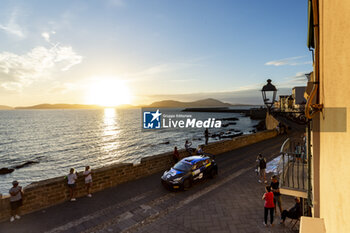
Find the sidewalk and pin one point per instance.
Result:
(229, 203)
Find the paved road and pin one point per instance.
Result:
(231, 202)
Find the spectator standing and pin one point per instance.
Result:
(275, 186)
(72, 178)
(206, 135)
(269, 205)
(298, 151)
(188, 147)
(176, 155)
(303, 149)
(88, 180)
(262, 167)
(16, 195)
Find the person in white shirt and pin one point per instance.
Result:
(72, 178)
(199, 150)
(15, 200)
(188, 147)
(88, 180)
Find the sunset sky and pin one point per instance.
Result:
(112, 52)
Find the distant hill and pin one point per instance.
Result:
(4, 107)
(71, 106)
(199, 103)
(61, 106)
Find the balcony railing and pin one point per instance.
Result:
(293, 167)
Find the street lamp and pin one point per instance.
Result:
(269, 94)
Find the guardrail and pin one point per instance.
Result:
(294, 164)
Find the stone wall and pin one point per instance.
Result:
(270, 122)
(42, 194)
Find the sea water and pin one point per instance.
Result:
(62, 139)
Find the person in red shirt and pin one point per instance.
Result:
(269, 205)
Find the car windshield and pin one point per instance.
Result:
(182, 166)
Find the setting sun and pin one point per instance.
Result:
(108, 92)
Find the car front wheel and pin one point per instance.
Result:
(213, 173)
(187, 184)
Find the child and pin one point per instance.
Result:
(88, 180)
(72, 178)
(269, 205)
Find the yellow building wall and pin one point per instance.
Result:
(334, 203)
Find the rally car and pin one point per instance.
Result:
(185, 172)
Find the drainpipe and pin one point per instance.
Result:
(309, 164)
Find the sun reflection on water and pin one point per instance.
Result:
(110, 130)
(109, 120)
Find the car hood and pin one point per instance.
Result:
(172, 174)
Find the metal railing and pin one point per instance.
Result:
(293, 164)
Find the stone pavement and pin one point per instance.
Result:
(231, 202)
(235, 206)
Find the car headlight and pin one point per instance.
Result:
(177, 179)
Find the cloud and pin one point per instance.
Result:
(12, 86)
(299, 79)
(12, 27)
(291, 61)
(63, 88)
(46, 36)
(165, 68)
(183, 80)
(17, 71)
(300, 76)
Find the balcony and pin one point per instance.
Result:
(293, 168)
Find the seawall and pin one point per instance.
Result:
(46, 193)
(271, 122)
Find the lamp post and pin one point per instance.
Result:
(269, 94)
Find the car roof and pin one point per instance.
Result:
(194, 159)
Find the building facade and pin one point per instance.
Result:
(329, 35)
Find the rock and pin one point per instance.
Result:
(229, 123)
(165, 143)
(25, 164)
(229, 119)
(197, 139)
(231, 135)
(6, 170)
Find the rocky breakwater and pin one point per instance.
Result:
(7, 170)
